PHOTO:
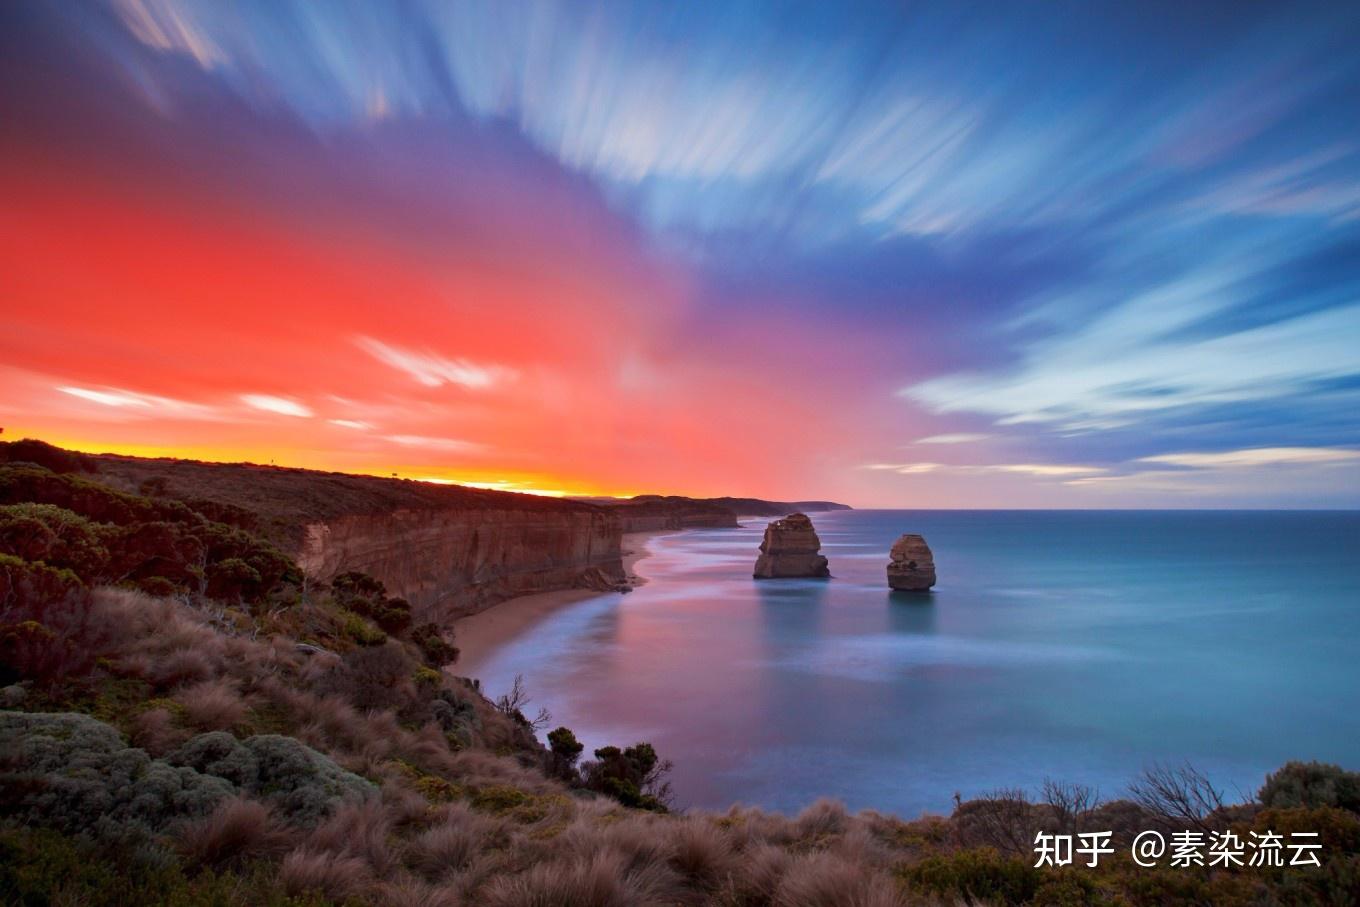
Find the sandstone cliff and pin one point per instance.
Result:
(448, 550)
(912, 568)
(791, 548)
(654, 513)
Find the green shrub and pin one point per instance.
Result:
(435, 645)
(302, 785)
(1311, 784)
(360, 630)
(978, 874)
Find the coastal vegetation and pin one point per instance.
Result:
(186, 719)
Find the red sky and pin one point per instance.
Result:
(624, 260)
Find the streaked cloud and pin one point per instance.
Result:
(956, 438)
(442, 445)
(1038, 470)
(355, 424)
(283, 406)
(433, 370)
(1259, 456)
(134, 402)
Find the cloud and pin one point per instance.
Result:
(446, 445)
(1258, 456)
(957, 438)
(432, 370)
(1142, 357)
(138, 403)
(1039, 470)
(283, 406)
(350, 423)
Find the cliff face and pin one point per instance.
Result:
(449, 562)
(655, 513)
(448, 550)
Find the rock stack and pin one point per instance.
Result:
(912, 568)
(791, 548)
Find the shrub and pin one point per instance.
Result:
(565, 750)
(976, 874)
(360, 630)
(301, 785)
(1311, 784)
(634, 776)
(74, 773)
(49, 628)
(375, 677)
(435, 645)
(56, 536)
(40, 453)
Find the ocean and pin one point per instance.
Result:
(1074, 645)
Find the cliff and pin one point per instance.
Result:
(654, 512)
(447, 549)
(758, 507)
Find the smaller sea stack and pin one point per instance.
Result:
(912, 568)
(791, 548)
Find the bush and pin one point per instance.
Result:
(979, 874)
(55, 536)
(361, 631)
(565, 750)
(40, 453)
(110, 536)
(435, 645)
(367, 596)
(301, 785)
(1311, 784)
(633, 776)
(76, 774)
(49, 628)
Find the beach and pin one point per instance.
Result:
(482, 633)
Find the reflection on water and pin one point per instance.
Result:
(1079, 646)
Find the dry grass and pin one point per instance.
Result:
(213, 705)
(308, 871)
(239, 828)
(445, 830)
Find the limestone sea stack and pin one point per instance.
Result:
(791, 548)
(912, 568)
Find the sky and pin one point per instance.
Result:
(897, 255)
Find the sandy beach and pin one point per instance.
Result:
(480, 634)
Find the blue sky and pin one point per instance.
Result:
(1076, 254)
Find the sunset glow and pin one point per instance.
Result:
(279, 236)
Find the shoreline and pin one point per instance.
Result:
(479, 635)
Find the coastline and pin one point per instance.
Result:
(478, 635)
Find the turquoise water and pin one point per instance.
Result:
(1080, 646)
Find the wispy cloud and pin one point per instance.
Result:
(355, 424)
(956, 438)
(283, 406)
(1038, 470)
(1258, 456)
(444, 445)
(133, 402)
(433, 370)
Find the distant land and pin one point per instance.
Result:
(448, 549)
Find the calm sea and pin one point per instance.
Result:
(1079, 646)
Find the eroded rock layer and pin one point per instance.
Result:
(912, 568)
(791, 548)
